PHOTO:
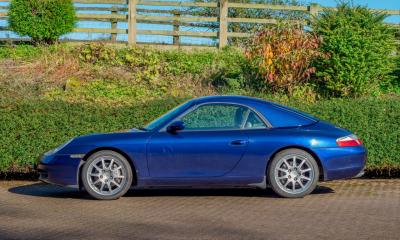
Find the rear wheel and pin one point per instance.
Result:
(293, 173)
(107, 175)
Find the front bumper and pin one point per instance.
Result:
(360, 174)
(342, 162)
(59, 169)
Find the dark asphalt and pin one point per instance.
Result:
(354, 209)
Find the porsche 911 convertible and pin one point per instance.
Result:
(216, 141)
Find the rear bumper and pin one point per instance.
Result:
(342, 162)
(60, 170)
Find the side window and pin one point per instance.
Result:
(221, 116)
(254, 121)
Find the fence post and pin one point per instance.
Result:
(114, 23)
(176, 28)
(132, 21)
(223, 23)
(313, 9)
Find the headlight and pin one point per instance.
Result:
(55, 150)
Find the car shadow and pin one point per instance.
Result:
(200, 192)
(48, 190)
(52, 191)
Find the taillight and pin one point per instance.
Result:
(349, 141)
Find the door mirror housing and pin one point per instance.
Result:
(175, 126)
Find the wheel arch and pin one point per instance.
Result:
(312, 153)
(117, 150)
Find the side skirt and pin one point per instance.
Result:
(233, 182)
(262, 185)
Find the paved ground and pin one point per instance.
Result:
(355, 209)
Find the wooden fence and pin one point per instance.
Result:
(137, 11)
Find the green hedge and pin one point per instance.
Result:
(28, 128)
(375, 121)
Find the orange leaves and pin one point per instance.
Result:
(268, 54)
(283, 55)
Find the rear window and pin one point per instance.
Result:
(307, 115)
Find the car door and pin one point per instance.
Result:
(210, 145)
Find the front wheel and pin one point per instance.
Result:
(106, 175)
(293, 173)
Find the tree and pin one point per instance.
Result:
(358, 48)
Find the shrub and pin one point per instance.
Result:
(28, 128)
(97, 53)
(282, 55)
(180, 62)
(358, 46)
(374, 120)
(42, 20)
(230, 70)
(226, 68)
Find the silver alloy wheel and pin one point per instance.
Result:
(294, 174)
(106, 175)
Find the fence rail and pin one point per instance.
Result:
(134, 12)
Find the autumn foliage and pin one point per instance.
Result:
(282, 56)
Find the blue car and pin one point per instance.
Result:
(216, 141)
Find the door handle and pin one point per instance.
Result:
(239, 142)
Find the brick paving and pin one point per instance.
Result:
(352, 209)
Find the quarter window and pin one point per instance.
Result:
(254, 121)
(221, 116)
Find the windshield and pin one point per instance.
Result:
(162, 120)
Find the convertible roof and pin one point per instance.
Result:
(278, 115)
(228, 98)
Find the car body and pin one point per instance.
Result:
(207, 142)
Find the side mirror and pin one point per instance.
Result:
(175, 126)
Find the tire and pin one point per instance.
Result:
(106, 175)
(293, 181)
